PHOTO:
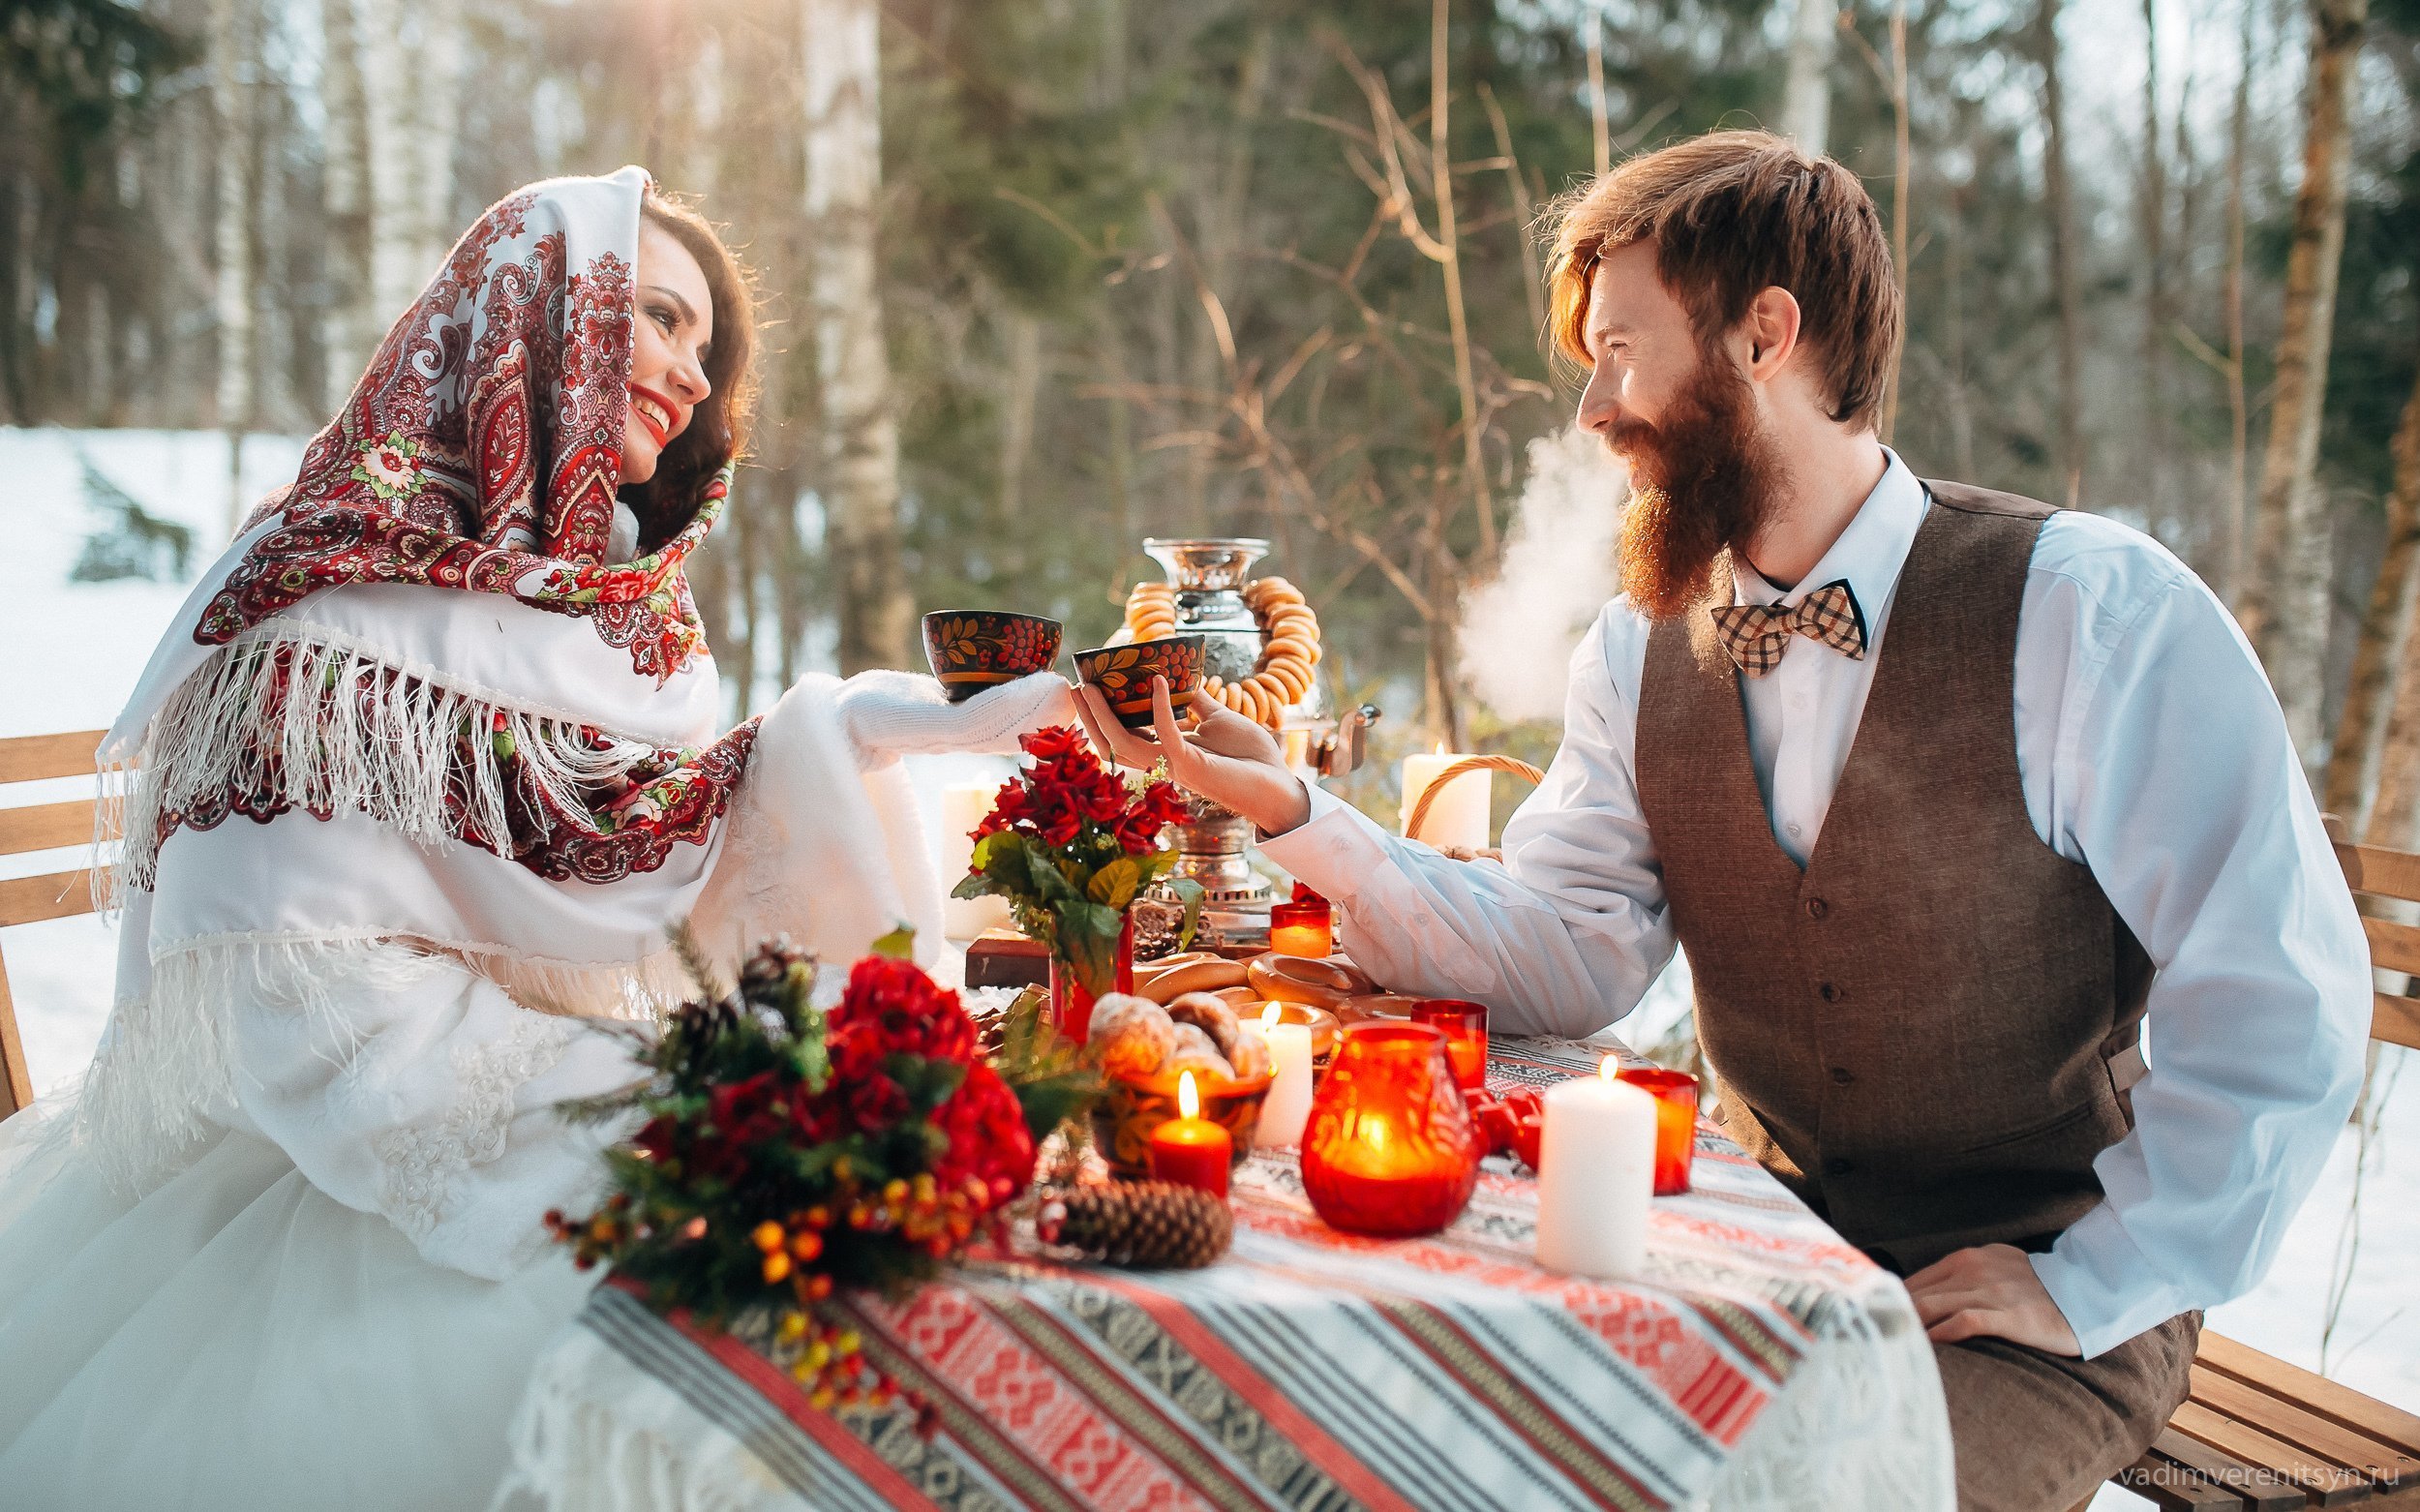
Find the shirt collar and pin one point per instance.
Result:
(1869, 553)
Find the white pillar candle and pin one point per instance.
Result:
(963, 806)
(1461, 813)
(1287, 1107)
(1596, 1172)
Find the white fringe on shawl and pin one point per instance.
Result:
(340, 727)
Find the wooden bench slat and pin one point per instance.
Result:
(2386, 1467)
(55, 894)
(2365, 1415)
(44, 826)
(2374, 869)
(16, 1081)
(2393, 946)
(2162, 1483)
(2325, 1484)
(2395, 1019)
(30, 758)
(2262, 1489)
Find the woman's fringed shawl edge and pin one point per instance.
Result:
(296, 713)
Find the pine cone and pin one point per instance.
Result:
(1151, 1224)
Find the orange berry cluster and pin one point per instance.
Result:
(828, 1359)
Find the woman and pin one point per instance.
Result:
(421, 776)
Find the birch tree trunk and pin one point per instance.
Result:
(2353, 773)
(349, 327)
(2154, 212)
(411, 115)
(2064, 273)
(232, 64)
(2238, 401)
(2285, 608)
(860, 440)
(1806, 94)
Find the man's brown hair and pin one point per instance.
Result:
(1730, 214)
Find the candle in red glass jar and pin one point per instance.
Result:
(1190, 1150)
(1390, 1148)
(1302, 929)
(1675, 1123)
(1464, 1028)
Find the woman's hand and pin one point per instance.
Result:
(1227, 757)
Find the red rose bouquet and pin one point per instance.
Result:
(1069, 843)
(788, 1151)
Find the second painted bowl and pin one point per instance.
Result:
(972, 649)
(1124, 674)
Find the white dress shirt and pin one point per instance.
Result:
(2151, 750)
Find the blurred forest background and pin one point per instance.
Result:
(1043, 277)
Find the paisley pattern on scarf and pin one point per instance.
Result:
(482, 451)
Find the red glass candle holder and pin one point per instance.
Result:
(1302, 929)
(1390, 1148)
(1675, 1123)
(1464, 1028)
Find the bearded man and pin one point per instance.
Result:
(1945, 793)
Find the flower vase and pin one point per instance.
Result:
(1071, 997)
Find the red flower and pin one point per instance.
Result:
(1058, 739)
(892, 1007)
(987, 1136)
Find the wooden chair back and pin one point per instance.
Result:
(2376, 873)
(57, 895)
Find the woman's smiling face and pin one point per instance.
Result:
(671, 337)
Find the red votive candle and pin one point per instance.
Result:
(1675, 1123)
(1302, 929)
(1390, 1148)
(1190, 1150)
(1464, 1028)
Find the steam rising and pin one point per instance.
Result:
(1559, 570)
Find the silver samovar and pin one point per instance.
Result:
(1209, 574)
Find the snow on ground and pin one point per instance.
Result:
(92, 639)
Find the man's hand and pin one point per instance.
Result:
(1989, 1291)
(1226, 759)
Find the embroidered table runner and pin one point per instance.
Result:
(1761, 1362)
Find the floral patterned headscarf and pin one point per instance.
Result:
(482, 449)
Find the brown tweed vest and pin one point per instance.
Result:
(1926, 1033)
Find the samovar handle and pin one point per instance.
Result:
(1344, 750)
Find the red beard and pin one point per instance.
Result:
(1703, 484)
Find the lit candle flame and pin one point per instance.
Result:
(1610, 1068)
(1188, 1099)
(1272, 1016)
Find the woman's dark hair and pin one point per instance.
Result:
(718, 429)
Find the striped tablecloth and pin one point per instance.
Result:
(1760, 1362)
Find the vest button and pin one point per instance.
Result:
(1842, 1075)
(1829, 992)
(1836, 1167)
(1817, 908)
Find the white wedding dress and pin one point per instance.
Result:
(285, 1250)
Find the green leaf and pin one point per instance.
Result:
(1190, 894)
(1088, 941)
(1114, 886)
(1053, 889)
(1048, 1102)
(899, 943)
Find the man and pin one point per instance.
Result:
(1942, 791)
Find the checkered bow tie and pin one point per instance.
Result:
(1756, 635)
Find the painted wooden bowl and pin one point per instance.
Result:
(1124, 674)
(972, 649)
(1131, 1108)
